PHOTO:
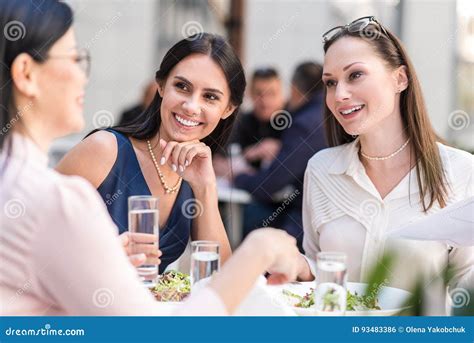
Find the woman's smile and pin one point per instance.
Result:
(185, 122)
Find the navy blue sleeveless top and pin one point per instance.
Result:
(126, 179)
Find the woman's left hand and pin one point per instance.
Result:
(192, 160)
(144, 250)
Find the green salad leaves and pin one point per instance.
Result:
(172, 286)
(355, 302)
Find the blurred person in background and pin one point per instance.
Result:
(130, 114)
(254, 137)
(277, 189)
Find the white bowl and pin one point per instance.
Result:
(391, 300)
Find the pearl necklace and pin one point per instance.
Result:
(167, 188)
(383, 158)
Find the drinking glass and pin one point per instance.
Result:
(143, 213)
(205, 260)
(331, 278)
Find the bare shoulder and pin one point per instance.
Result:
(92, 158)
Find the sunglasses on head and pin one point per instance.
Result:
(358, 25)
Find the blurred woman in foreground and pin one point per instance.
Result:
(55, 229)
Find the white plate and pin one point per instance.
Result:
(391, 300)
(259, 301)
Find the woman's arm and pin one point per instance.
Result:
(209, 226)
(268, 250)
(92, 158)
(71, 265)
(193, 161)
(79, 260)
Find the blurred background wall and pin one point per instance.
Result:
(128, 38)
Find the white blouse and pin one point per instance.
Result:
(59, 251)
(343, 211)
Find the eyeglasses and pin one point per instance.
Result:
(358, 25)
(83, 59)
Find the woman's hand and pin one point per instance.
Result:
(280, 250)
(192, 160)
(141, 248)
(304, 271)
(266, 150)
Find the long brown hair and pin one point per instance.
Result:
(147, 124)
(430, 174)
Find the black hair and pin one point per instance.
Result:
(28, 27)
(307, 78)
(265, 74)
(147, 124)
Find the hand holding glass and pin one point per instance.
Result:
(143, 214)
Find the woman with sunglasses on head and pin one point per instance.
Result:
(60, 252)
(167, 151)
(387, 167)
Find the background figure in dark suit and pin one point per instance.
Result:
(258, 139)
(278, 188)
(131, 113)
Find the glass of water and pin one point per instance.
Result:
(143, 212)
(331, 278)
(205, 260)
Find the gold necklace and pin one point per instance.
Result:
(167, 188)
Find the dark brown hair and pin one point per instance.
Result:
(430, 174)
(146, 125)
(28, 28)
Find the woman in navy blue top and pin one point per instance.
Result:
(167, 150)
(126, 179)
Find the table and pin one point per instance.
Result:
(233, 200)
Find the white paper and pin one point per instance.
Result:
(453, 225)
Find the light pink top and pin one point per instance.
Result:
(59, 252)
